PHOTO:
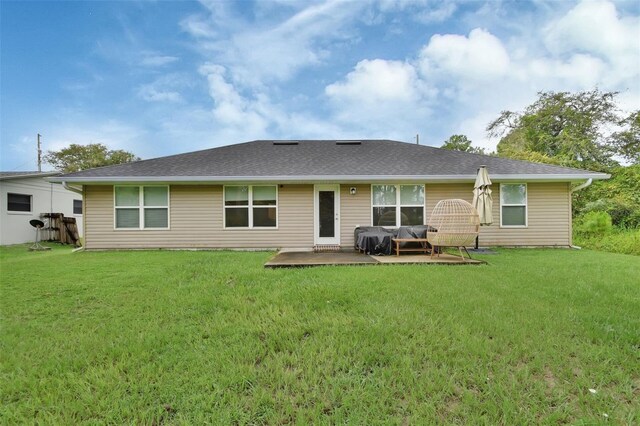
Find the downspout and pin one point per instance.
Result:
(576, 189)
(71, 188)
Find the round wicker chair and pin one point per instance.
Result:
(453, 223)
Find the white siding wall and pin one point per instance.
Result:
(46, 197)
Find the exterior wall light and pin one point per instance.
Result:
(352, 190)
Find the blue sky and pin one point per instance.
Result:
(159, 78)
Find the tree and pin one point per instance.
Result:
(80, 157)
(618, 196)
(562, 128)
(461, 143)
(626, 142)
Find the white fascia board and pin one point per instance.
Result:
(328, 179)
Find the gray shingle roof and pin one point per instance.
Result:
(321, 158)
(23, 174)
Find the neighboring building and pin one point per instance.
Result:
(24, 196)
(299, 194)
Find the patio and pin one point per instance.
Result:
(289, 259)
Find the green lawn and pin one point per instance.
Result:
(192, 337)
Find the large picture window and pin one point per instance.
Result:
(19, 203)
(251, 206)
(397, 205)
(141, 207)
(513, 205)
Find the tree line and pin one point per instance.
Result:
(585, 130)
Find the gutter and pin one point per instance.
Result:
(71, 188)
(329, 178)
(583, 185)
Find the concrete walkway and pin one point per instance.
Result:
(293, 259)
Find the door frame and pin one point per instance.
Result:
(317, 240)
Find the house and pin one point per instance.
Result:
(300, 194)
(26, 195)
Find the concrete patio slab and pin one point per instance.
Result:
(288, 259)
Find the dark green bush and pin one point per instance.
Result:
(623, 214)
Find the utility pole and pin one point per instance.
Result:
(39, 155)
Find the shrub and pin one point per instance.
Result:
(595, 223)
(622, 213)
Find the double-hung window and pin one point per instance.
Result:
(397, 205)
(513, 205)
(251, 206)
(77, 206)
(19, 203)
(141, 207)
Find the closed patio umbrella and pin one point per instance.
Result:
(482, 200)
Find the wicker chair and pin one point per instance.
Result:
(453, 223)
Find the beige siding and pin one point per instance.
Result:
(196, 218)
(355, 210)
(196, 221)
(549, 214)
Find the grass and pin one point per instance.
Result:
(194, 337)
(616, 241)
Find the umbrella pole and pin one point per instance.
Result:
(477, 238)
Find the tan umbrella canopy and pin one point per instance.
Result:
(482, 200)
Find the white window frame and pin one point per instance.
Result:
(73, 206)
(525, 205)
(141, 207)
(18, 211)
(249, 206)
(397, 205)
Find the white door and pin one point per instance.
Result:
(327, 214)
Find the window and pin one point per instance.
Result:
(77, 206)
(251, 206)
(19, 203)
(141, 207)
(513, 205)
(397, 205)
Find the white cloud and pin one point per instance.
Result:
(166, 88)
(231, 108)
(257, 54)
(594, 26)
(458, 84)
(374, 81)
(150, 93)
(152, 60)
(439, 12)
(380, 99)
(455, 83)
(479, 56)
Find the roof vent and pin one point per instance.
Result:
(286, 143)
(348, 142)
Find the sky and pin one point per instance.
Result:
(165, 77)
